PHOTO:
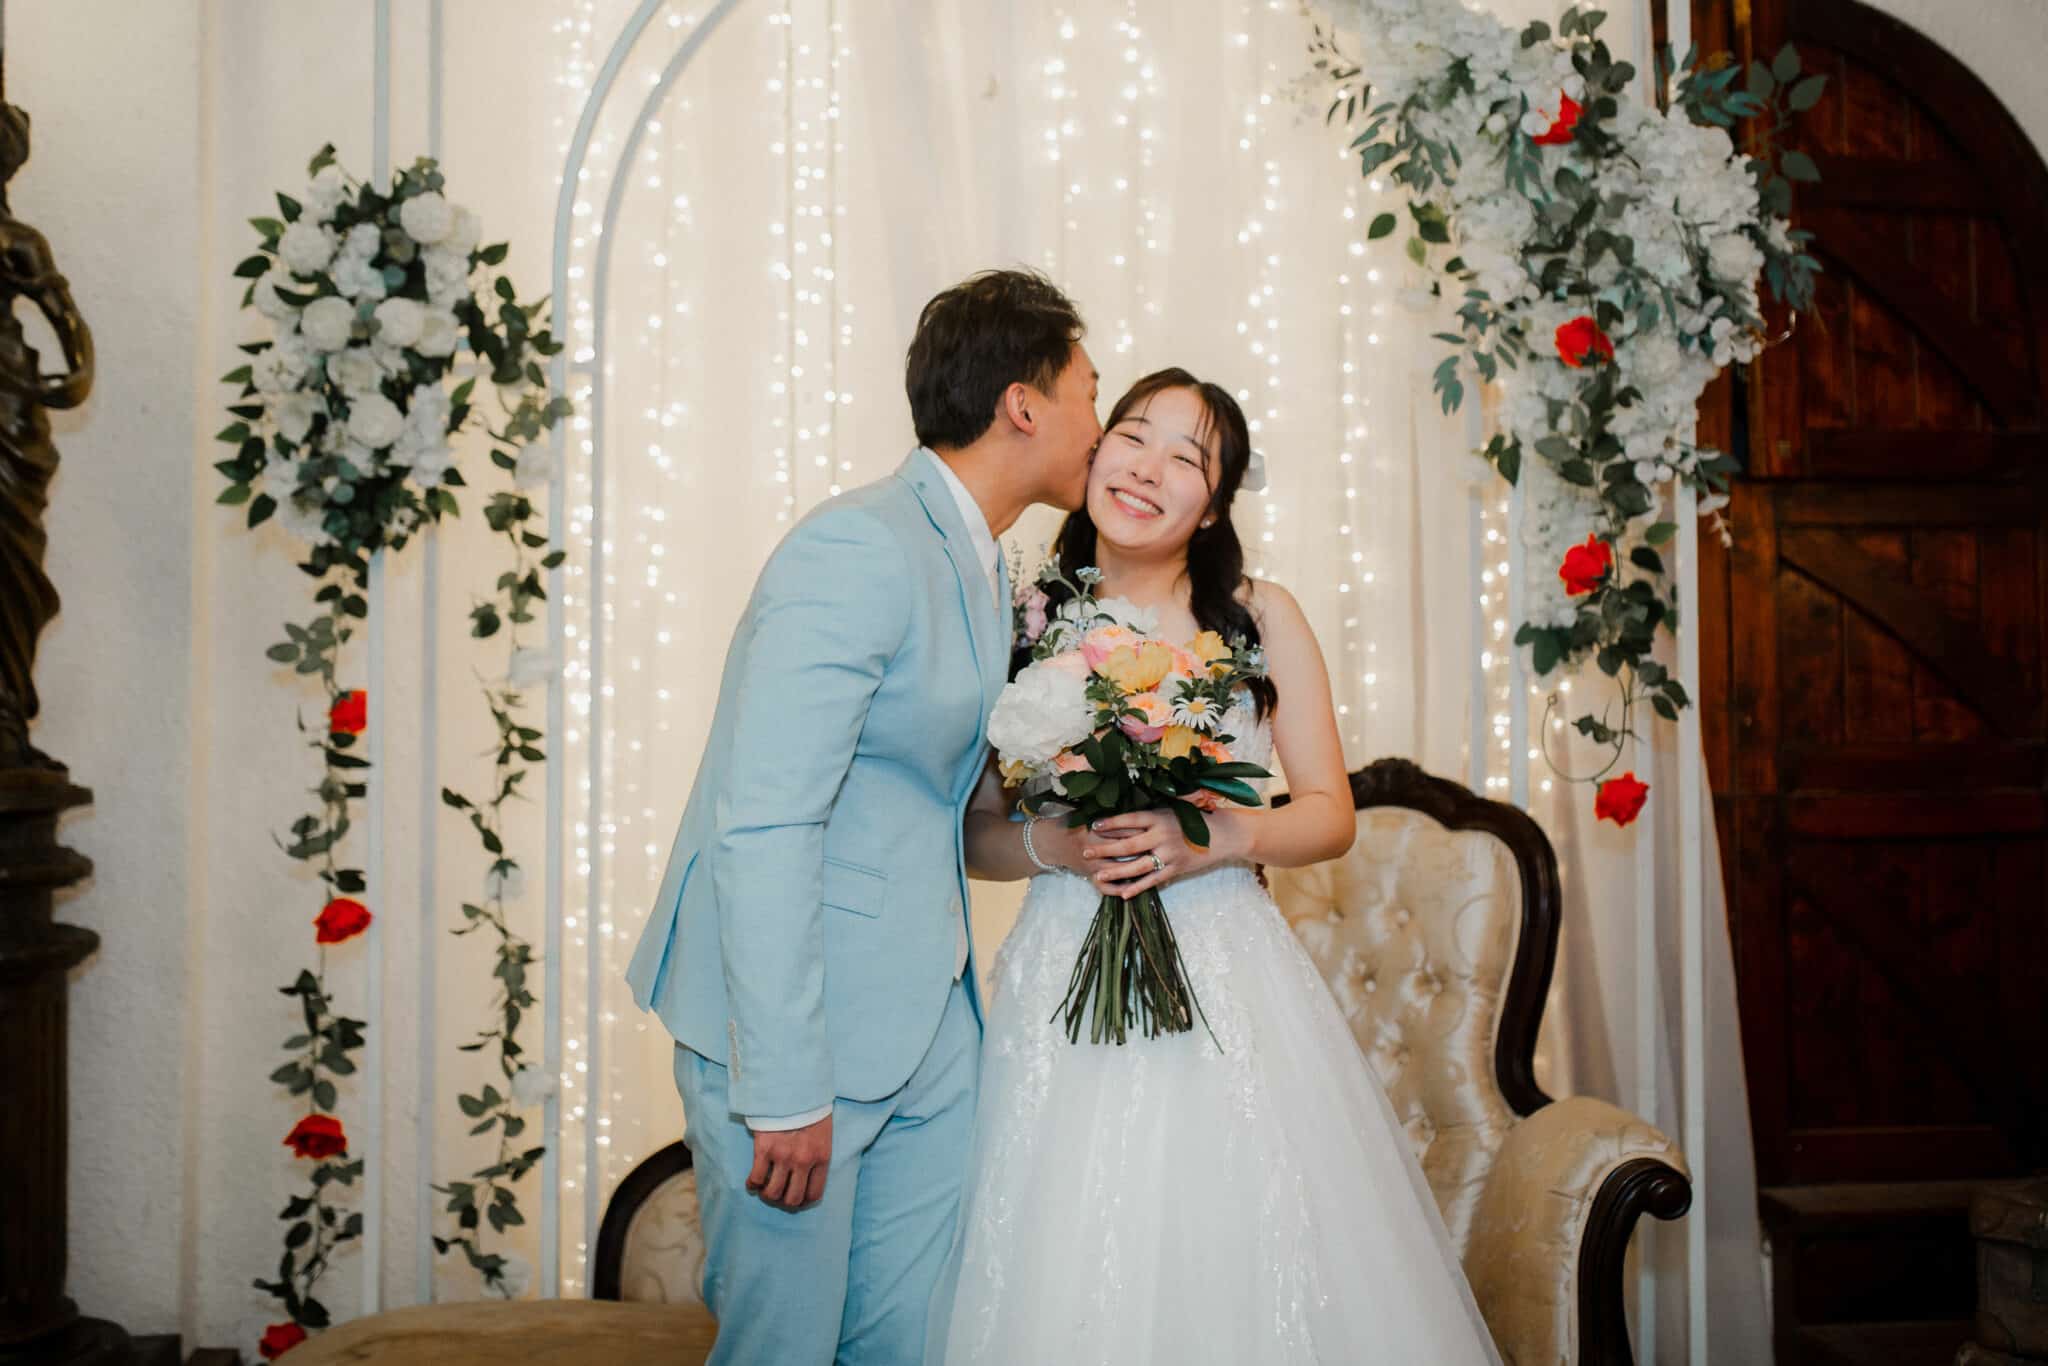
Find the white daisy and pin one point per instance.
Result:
(1198, 712)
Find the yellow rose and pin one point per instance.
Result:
(1014, 771)
(1178, 741)
(1137, 668)
(1210, 649)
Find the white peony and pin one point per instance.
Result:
(426, 218)
(531, 1087)
(294, 413)
(399, 321)
(515, 1278)
(1143, 620)
(439, 335)
(375, 421)
(278, 370)
(353, 372)
(327, 322)
(1042, 711)
(306, 247)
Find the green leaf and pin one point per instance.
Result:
(1807, 93)
(251, 267)
(1785, 66)
(1664, 707)
(1799, 166)
(1417, 252)
(1382, 224)
(1645, 558)
(289, 206)
(1661, 532)
(234, 495)
(1192, 827)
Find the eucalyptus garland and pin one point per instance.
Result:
(384, 316)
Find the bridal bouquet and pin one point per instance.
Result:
(1108, 720)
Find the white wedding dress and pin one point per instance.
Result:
(1164, 1202)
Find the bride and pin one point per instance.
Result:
(1178, 1199)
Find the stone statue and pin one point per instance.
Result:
(27, 459)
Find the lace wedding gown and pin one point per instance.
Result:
(1164, 1202)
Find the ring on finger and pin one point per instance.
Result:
(1158, 864)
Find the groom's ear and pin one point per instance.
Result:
(1017, 406)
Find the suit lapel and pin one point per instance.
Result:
(991, 659)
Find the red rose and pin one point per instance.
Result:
(341, 918)
(1560, 130)
(317, 1136)
(1586, 566)
(1581, 338)
(1619, 799)
(280, 1338)
(351, 713)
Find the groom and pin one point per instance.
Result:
(809, 947)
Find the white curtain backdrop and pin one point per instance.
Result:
(817, 172)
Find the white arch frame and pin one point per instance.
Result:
(592, 368)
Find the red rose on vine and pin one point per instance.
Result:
(1586, 566)
(1561, 128)
(341, 918)
(350, 713)
(317, 1136)
(1620, 799)
(1581, 339)
(280, 1338)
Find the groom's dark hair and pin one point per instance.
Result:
(975, 340)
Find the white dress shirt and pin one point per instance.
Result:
(989, 554)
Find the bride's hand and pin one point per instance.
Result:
(1162, 852)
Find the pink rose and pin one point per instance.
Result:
(1154, 716)
(1104, 641)
(1070, 761)
(1070, 662)
(1034, 615)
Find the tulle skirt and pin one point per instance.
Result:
(1170, 1201)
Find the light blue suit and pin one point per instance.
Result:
(802, 947)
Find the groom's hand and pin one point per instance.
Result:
(790, 1165)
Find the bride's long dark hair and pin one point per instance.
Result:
(1215, 557)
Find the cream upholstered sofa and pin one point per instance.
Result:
(1437, 934)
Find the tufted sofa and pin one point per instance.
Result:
(1437, 934)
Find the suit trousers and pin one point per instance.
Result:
(848, 1280)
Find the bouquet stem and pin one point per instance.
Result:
(1130, 972)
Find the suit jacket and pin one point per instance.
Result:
(808, 924)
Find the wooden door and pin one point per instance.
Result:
(1873, 642)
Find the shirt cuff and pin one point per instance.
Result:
(782, 1123)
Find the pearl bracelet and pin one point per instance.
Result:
(1031, 850)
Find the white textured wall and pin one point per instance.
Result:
(158, 129)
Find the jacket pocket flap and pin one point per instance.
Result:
(851, 887)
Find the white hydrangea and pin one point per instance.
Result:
(426, 218)
(399, 321)
(1043, 710)
(264, 296)
(431, 466)
(447, 272)
(356, 278)
(327, 322)
(531, 1087)
(465, 232)
(306, 247)
(280, 480)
